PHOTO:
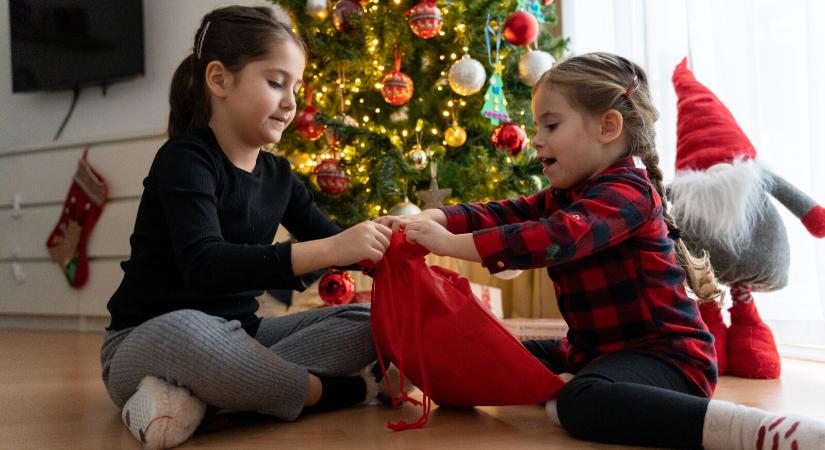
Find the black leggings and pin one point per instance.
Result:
(628, 398)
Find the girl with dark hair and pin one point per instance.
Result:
(184, 333)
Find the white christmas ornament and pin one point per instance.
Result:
(467, 76)
(533, 64)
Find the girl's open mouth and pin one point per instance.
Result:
(547, 162)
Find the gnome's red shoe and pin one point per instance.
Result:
(751, 348)
(712, 316)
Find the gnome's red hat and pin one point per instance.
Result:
(706, 132)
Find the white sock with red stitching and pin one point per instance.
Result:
(732, 426)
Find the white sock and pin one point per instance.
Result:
(161, 415)
(550, 406)
(734, 427)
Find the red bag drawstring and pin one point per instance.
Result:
(403, 395)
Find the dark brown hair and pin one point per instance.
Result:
(235, 36)
(597, 82)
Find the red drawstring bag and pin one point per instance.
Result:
(427, 321)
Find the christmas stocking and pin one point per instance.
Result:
(712, 316)
(751, 348)
(67, 242)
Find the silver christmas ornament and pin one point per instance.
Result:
(533, 64)
(317, 9)
(405, 208)
(467, 76)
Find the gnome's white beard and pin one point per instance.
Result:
(722, 204)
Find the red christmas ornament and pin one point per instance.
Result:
(332, 179)
(343, 11)
(547, 2)
(337, 287)
(305, 123)
(510, 137)
(521, 28)
(425, 19)
(306, 126)
(398, 87)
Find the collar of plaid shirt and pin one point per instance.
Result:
(574, 193)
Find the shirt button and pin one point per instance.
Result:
(500, 264)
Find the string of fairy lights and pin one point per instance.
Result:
(360, 138)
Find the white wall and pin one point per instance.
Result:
(123, 130)
(132, 107)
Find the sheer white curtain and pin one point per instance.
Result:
(766, 61)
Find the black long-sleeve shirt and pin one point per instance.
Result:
(204, 230)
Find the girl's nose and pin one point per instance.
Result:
(288, 101)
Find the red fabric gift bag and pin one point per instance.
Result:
(427, 321)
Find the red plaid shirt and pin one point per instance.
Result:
(605, 245)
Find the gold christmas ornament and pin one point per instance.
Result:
(455, 136)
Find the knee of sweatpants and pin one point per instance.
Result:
(186, 324)
(576, 413)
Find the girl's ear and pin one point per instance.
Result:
(612, 123)
(218, 79)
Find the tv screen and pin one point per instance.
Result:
(59, 44)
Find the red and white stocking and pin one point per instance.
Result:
(83, 205)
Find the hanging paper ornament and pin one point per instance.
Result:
(397, 87)
(433, 197)
(533, 7)
(425, 19)
(495, 104)
(336, 287)
(521, 28)
(510, 137)
(305, 123)
(418, 157)
(332, 179)
(467, 76)
(455, 136)
(533, 64)
(343, 13)
(317, 9)
(405, 208)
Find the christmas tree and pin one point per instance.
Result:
(392, 87)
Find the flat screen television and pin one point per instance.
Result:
(66, 44)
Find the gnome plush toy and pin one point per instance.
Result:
(720, 199)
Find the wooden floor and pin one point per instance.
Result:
(51, 397)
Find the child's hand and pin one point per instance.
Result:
(366, 240)
(399, 222)
(430, 234)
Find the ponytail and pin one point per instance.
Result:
(187, 99)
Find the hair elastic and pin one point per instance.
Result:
(631, 86)
(203, 36)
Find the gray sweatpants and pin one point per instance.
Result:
(223, 366)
